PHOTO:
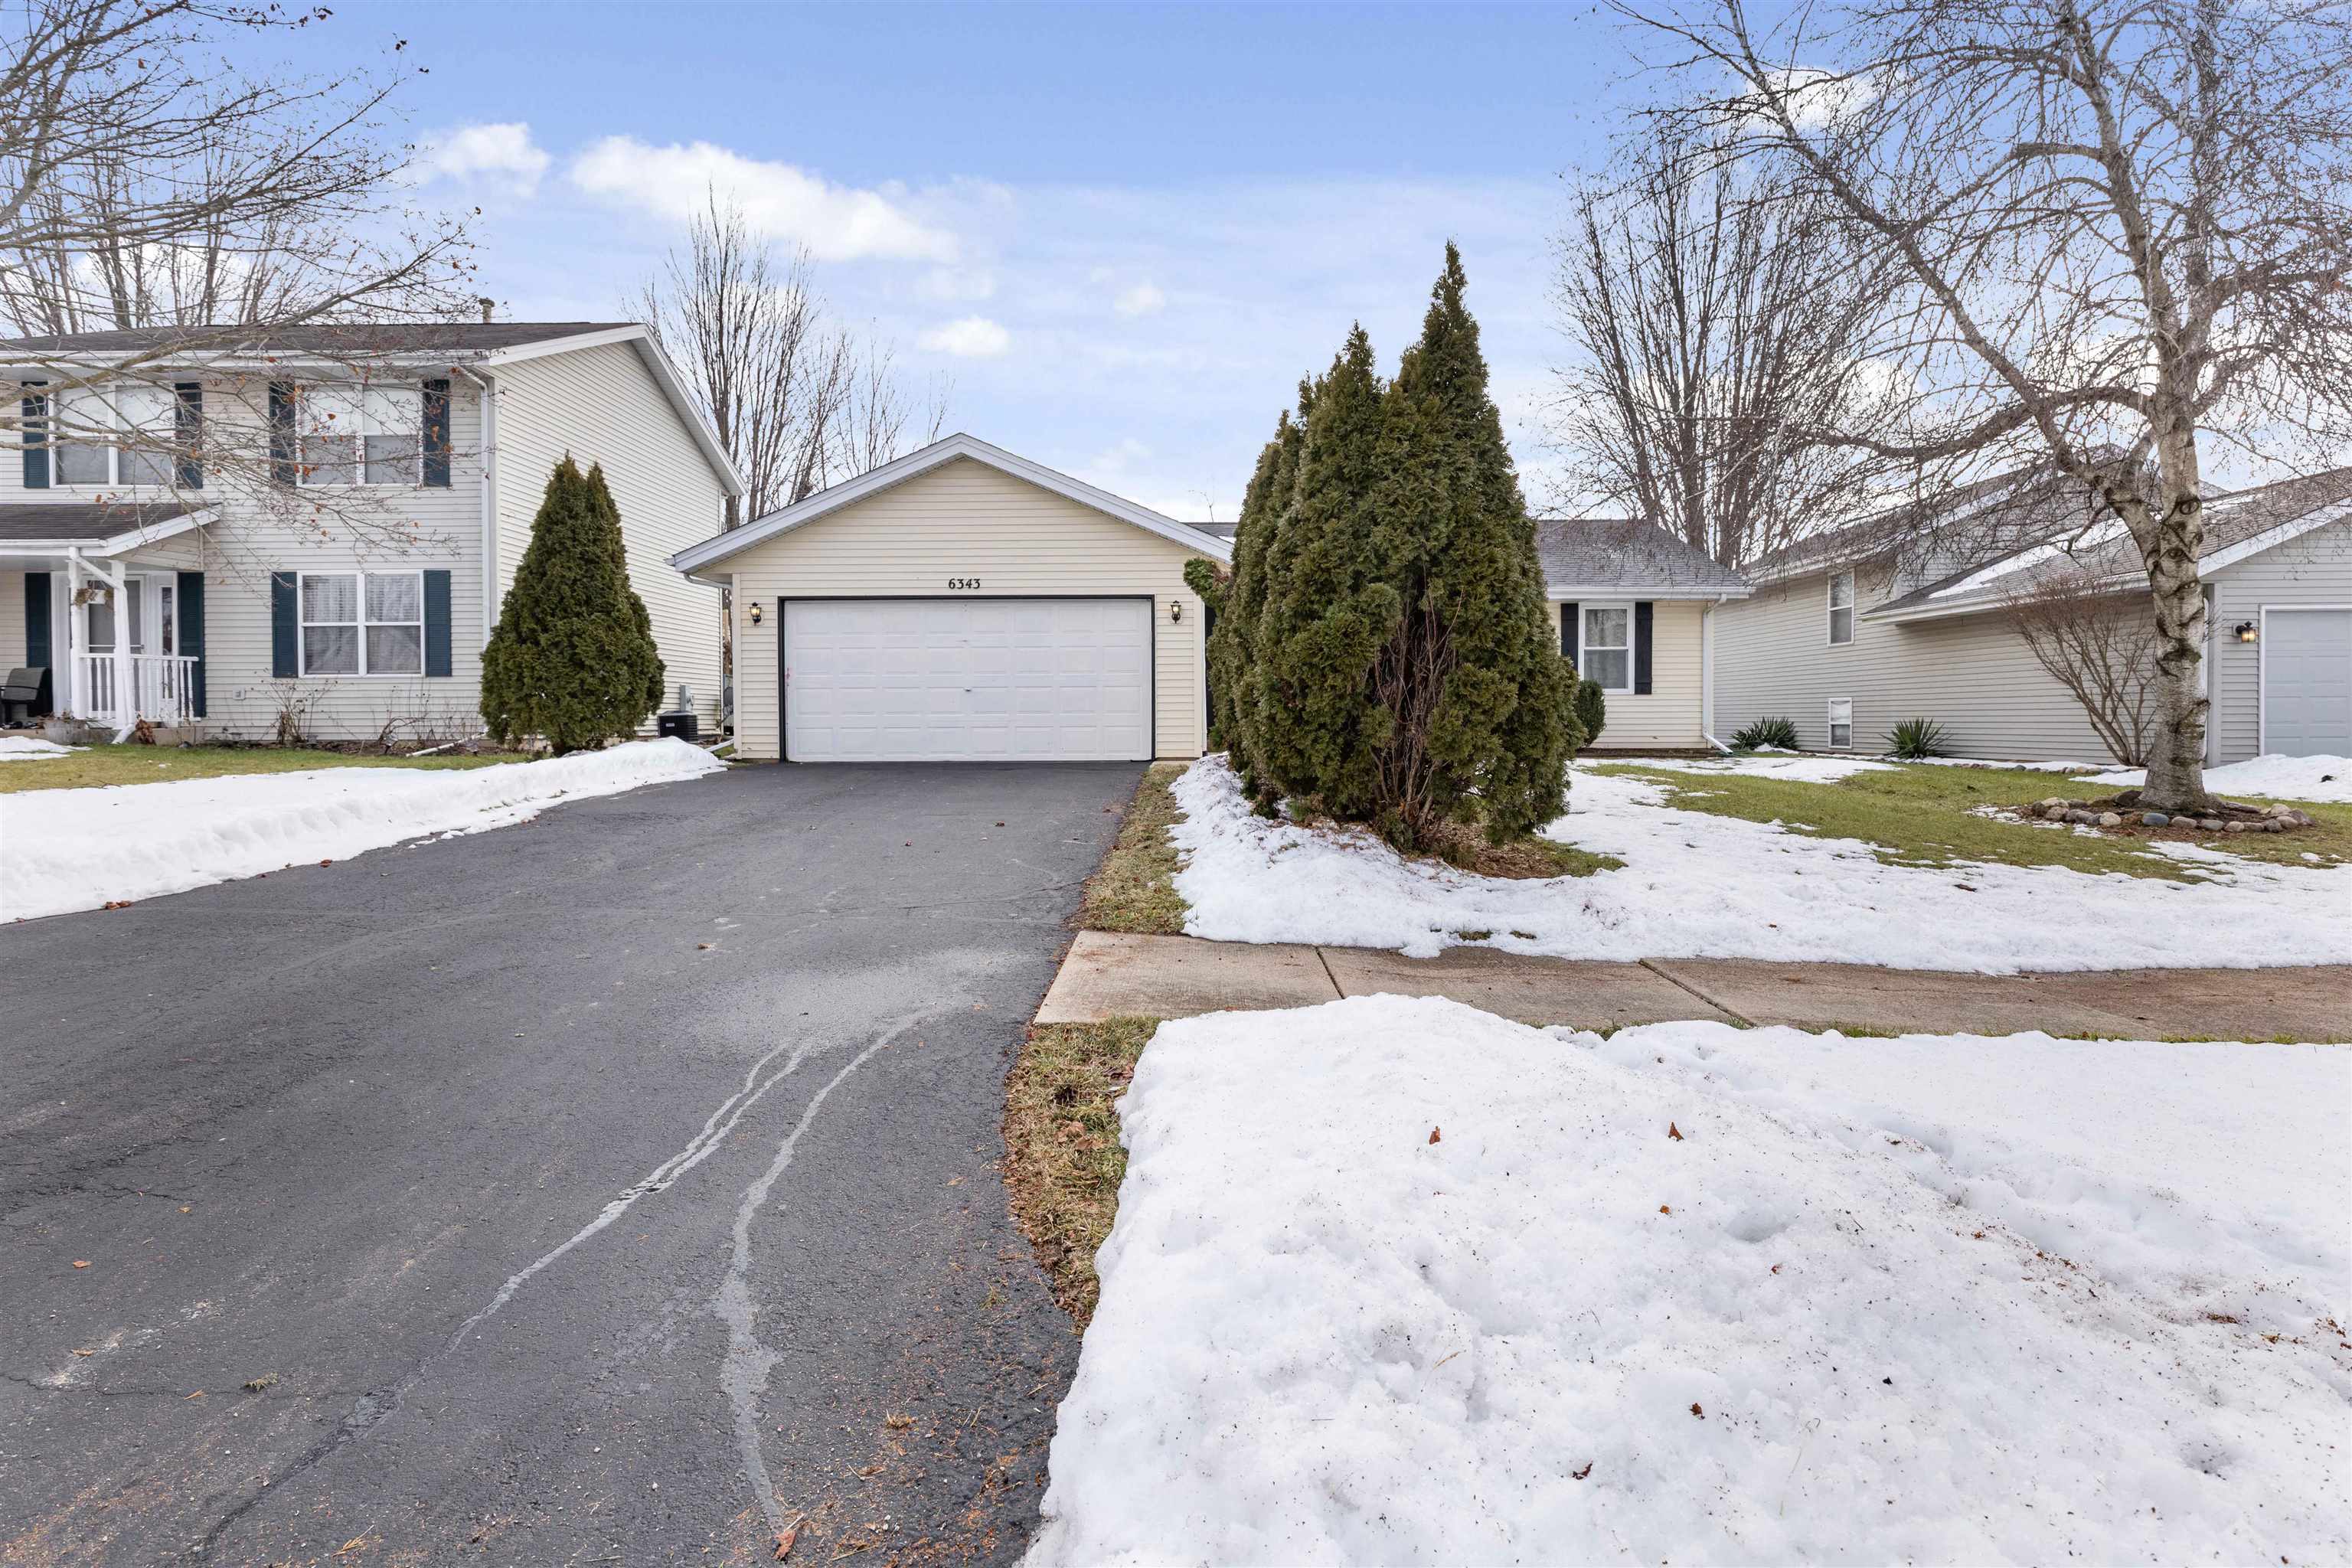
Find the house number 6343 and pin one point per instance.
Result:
(961, 584)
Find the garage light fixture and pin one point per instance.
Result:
(756, 612)
(2247, 631)
(1175, 610)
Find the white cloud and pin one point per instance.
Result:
(837, 223)
(502, 155)
(1143, 299)
(973, 337)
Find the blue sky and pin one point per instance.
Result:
(1124, 232)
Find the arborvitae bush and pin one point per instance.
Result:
(1591, 709)
(573, 659)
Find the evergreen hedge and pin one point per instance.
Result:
(573, 659)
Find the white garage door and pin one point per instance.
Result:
(923, 680)
(2307, 682)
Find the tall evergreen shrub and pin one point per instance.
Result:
(573, 659)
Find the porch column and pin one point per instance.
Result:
(126, 679)
(70, 695)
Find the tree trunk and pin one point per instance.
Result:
(2170, 546)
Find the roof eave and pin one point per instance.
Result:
(1560, 593)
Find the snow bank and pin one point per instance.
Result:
(1700, 886)
(31, 748)
(2272, 775)
(1558, 1335)
(1769, 762)
(80, 848)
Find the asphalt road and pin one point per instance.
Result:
(611, 1188)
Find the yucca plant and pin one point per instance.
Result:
(1775, 731)
(1915, 737)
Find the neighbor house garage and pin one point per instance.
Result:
(964, 605)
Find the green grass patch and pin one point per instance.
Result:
(1134, 890)
(130, 763)
(1062, 1161)
(1924, 817)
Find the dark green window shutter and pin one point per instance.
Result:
(1570, 629)
(37, 620)
(284, 626)
(284, 455)
(437, 623)
(191, 613)
(436, 438)
(35, 438)
(188, 434)
(1641, 649)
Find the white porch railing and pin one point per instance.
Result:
(163, 684)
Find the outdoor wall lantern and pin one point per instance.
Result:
(2246, 630)
(1175, 610)
(756, 612)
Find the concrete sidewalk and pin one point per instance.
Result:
(1110, 975)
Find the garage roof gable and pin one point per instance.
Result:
(701, 557)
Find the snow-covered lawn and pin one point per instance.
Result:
(1699, 885)
(2284, 778)
(1766, 763)
(81, 848)
(1396, 1281)
(31, 748)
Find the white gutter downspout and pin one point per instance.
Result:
(1707, 672)
(490, 499)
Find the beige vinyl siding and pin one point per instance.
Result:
(603, 405)
(1668, 715)
(2315, 569)
(12, 621)
(966, 518)
(1970, 673)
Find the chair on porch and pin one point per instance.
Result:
(26, 695)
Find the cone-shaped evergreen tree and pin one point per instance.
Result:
(573, 659)
(1236, 678)
(1483, 706)
(1328, 608)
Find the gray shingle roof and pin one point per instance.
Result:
(1624, 552)
(354, 338)
(80, 521)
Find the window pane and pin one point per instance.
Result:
(396, 650)
(392, 459)
(1842, 625)
(138, 592)
(83, 465)
(330, 459)
(328, 410)
(165, 638)
(394, 596)
(330, 598)
(1605, 628)
(149, 463)
(1610, 666)
(1842, 589)
(330, 650)
(395, 409)
(1841, 735)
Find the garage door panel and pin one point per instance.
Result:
(968, 680)
(2307, 682)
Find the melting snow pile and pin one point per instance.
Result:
(1398, 1281)
(1768, 761)
(2275, 776)
(80, 848)
(31, 748)
(1696, 885)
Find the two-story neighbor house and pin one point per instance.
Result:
(322, 523)
(1852, 631)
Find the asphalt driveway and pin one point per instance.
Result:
(608, 1189)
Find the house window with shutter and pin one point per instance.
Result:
(116, 438)
(360, 433)
(1609, 646)
(1840, 608)
(363, 623)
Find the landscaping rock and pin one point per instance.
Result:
(2078, 815)
(2154, 819)
(2211, 824)
(2110, 819)
(2233, 827)
(2054, 804)
(2056, 811)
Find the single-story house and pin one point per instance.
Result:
(1852, 631)
(320, 523)
(964, 604)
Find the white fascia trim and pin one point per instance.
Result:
(696, 558)
(665, 376)
(116, 544)
(2273, 536)
(1628, 592)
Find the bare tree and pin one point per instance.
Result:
(2124, 228)
(795, 401)
(1715, 319)
(2101, 646)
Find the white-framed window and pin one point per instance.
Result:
(1605, 648)
(1841, 723)
(84, 455)
(1840, 608)
(363, 623)
(360, 433)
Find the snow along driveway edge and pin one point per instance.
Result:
(72, 849)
